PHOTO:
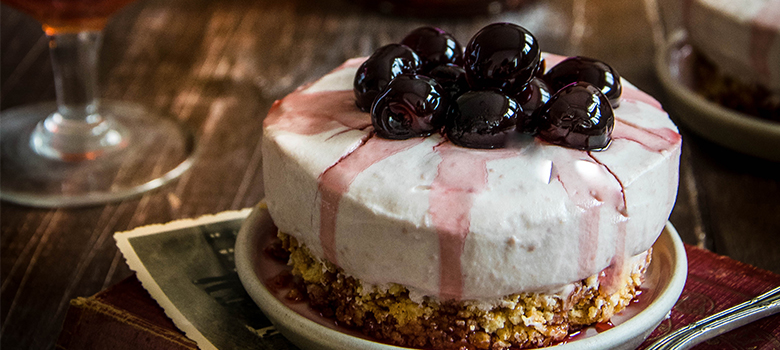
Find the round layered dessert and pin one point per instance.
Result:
(512, 232)
(739, 47)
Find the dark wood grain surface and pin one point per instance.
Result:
(218, 65)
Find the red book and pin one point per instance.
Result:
(123, 316)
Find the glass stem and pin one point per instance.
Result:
(77, 130)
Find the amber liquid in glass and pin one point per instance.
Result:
(78, 152)
(68, 16)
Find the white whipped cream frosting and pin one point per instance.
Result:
(461, 223)
(741, 37)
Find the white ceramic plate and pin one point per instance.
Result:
(721, 125)
(306, 329)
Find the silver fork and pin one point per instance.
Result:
(759, 307)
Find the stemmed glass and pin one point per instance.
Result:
(81, 150)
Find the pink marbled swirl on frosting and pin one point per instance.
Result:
(459, 223)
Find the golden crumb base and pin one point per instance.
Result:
(520, 321)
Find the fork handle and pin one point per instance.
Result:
(759, 307)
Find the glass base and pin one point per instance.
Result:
(157, 150)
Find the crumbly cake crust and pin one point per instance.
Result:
(517, 321)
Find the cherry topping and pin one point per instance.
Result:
(377, 71)
(434, 46)
(533, 96)
(578, 116)
(452, 78)
(412, 105)
(482, 119)
(598, 73)
(502, 56)
(419, 87)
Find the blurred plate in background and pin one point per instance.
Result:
(729, 128)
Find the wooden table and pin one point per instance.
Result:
(218, 65)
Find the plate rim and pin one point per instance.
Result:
(310, 334)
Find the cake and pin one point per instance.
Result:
(421, 242)
(739, 47)
(740, 37)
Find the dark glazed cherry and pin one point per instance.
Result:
(502, 56)
(377, 71)
(533, 97)
(434, 46)
(579, 116)
(482, 119)
(599, 74)
(452, 78)
(412, 105)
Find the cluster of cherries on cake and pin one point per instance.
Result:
(488, 94)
